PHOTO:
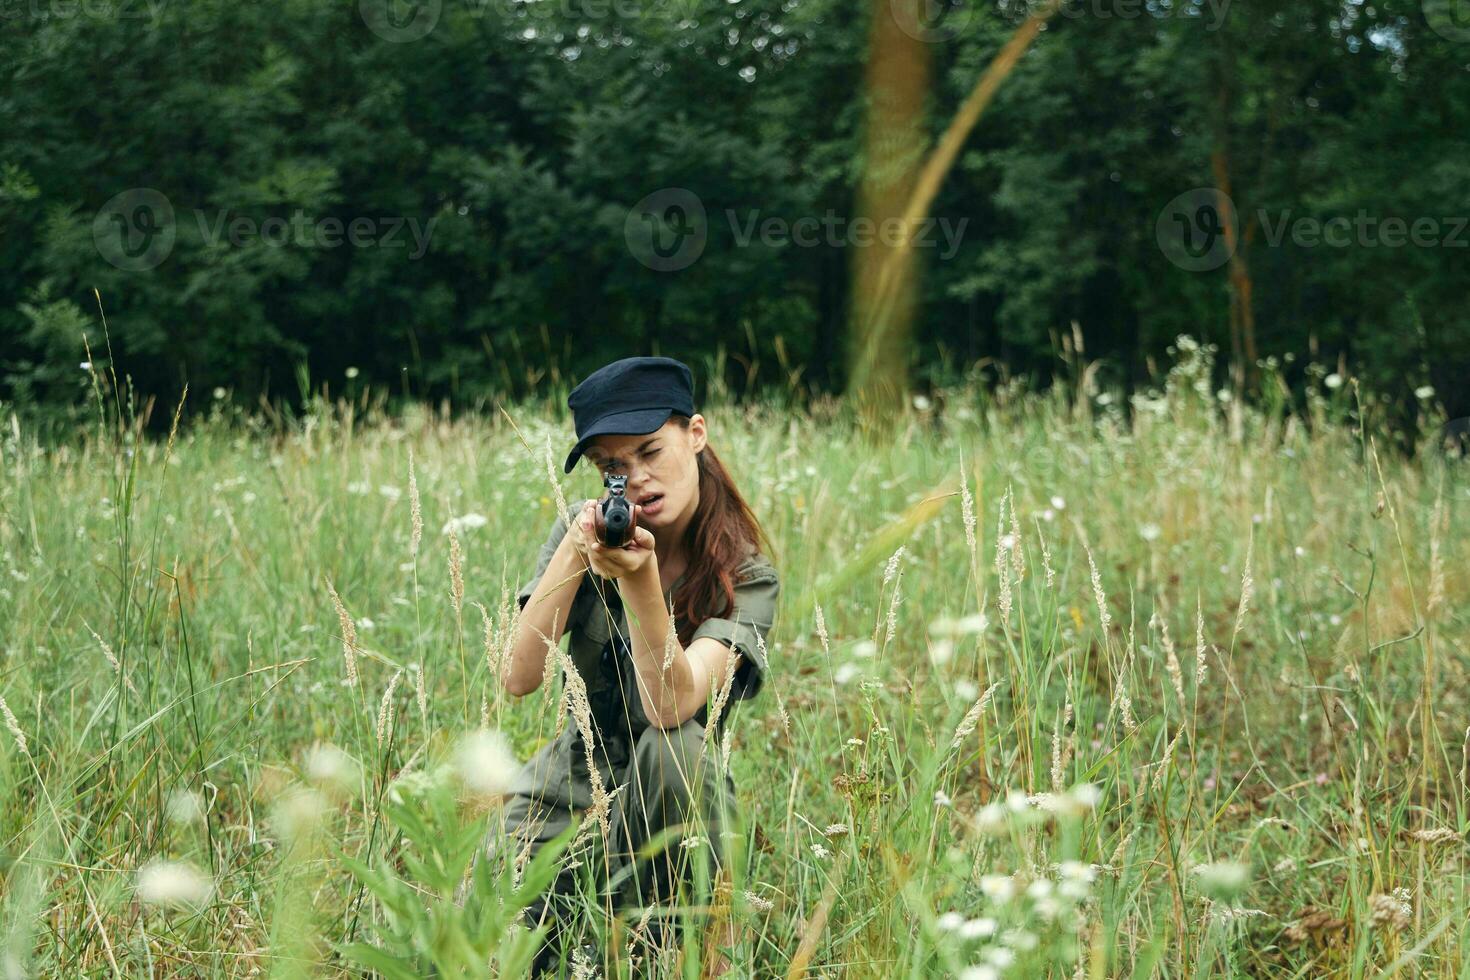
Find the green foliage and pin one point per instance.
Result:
(1245, 626)
(517, 136)
(447, 909)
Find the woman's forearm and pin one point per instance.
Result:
(668, 692)
(545, 615)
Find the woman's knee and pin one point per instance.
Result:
(675, 755)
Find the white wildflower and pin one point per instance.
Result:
(173, 883)
(1223, 880)
(758, 903)
(991, 819)
(327, 765)
(485, 764)
(1000, 957)
(980, 971)
(998, 888)
(184, 806)
(298, 812)
(465, 522)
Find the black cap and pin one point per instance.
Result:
(628, 398)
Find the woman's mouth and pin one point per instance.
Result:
(651, 505)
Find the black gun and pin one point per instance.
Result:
(616, 518)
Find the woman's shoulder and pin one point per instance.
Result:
(756, 567)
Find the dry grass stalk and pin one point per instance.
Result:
(822, 631)
(456, 573)
(1163, 767)
(14, 726)
(671, 638)
(1121, 851)
(1018, 554)
(556, 492)
(1176, 672)
(1436, 835)
(421, 691)
(492, 661)
(1122, 700)
(1247, 586)
(1051, 573)
(385, 708)
(1097, 594)
(1201, 665)
(1056, 759)
(1003, 562)
(971, 721)
(349, 635)
(722, 695)
(967, 511)
(416, 513)
(112, 659)
(896, 568)
(575, 691)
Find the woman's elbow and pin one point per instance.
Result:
(520, 687)
(519, 683)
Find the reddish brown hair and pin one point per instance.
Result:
(722, 534)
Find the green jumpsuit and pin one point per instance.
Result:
(663, 777)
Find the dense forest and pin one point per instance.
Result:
(461, 199)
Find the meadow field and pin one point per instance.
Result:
(1062, 684)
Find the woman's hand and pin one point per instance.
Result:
(613, 562)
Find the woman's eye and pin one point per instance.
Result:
(650, 454)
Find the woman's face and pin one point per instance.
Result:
(662, 471)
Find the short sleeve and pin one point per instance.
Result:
(548, 549)
(745, 628)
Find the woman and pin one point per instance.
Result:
(650, 681)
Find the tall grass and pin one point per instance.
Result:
(1057, 688)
